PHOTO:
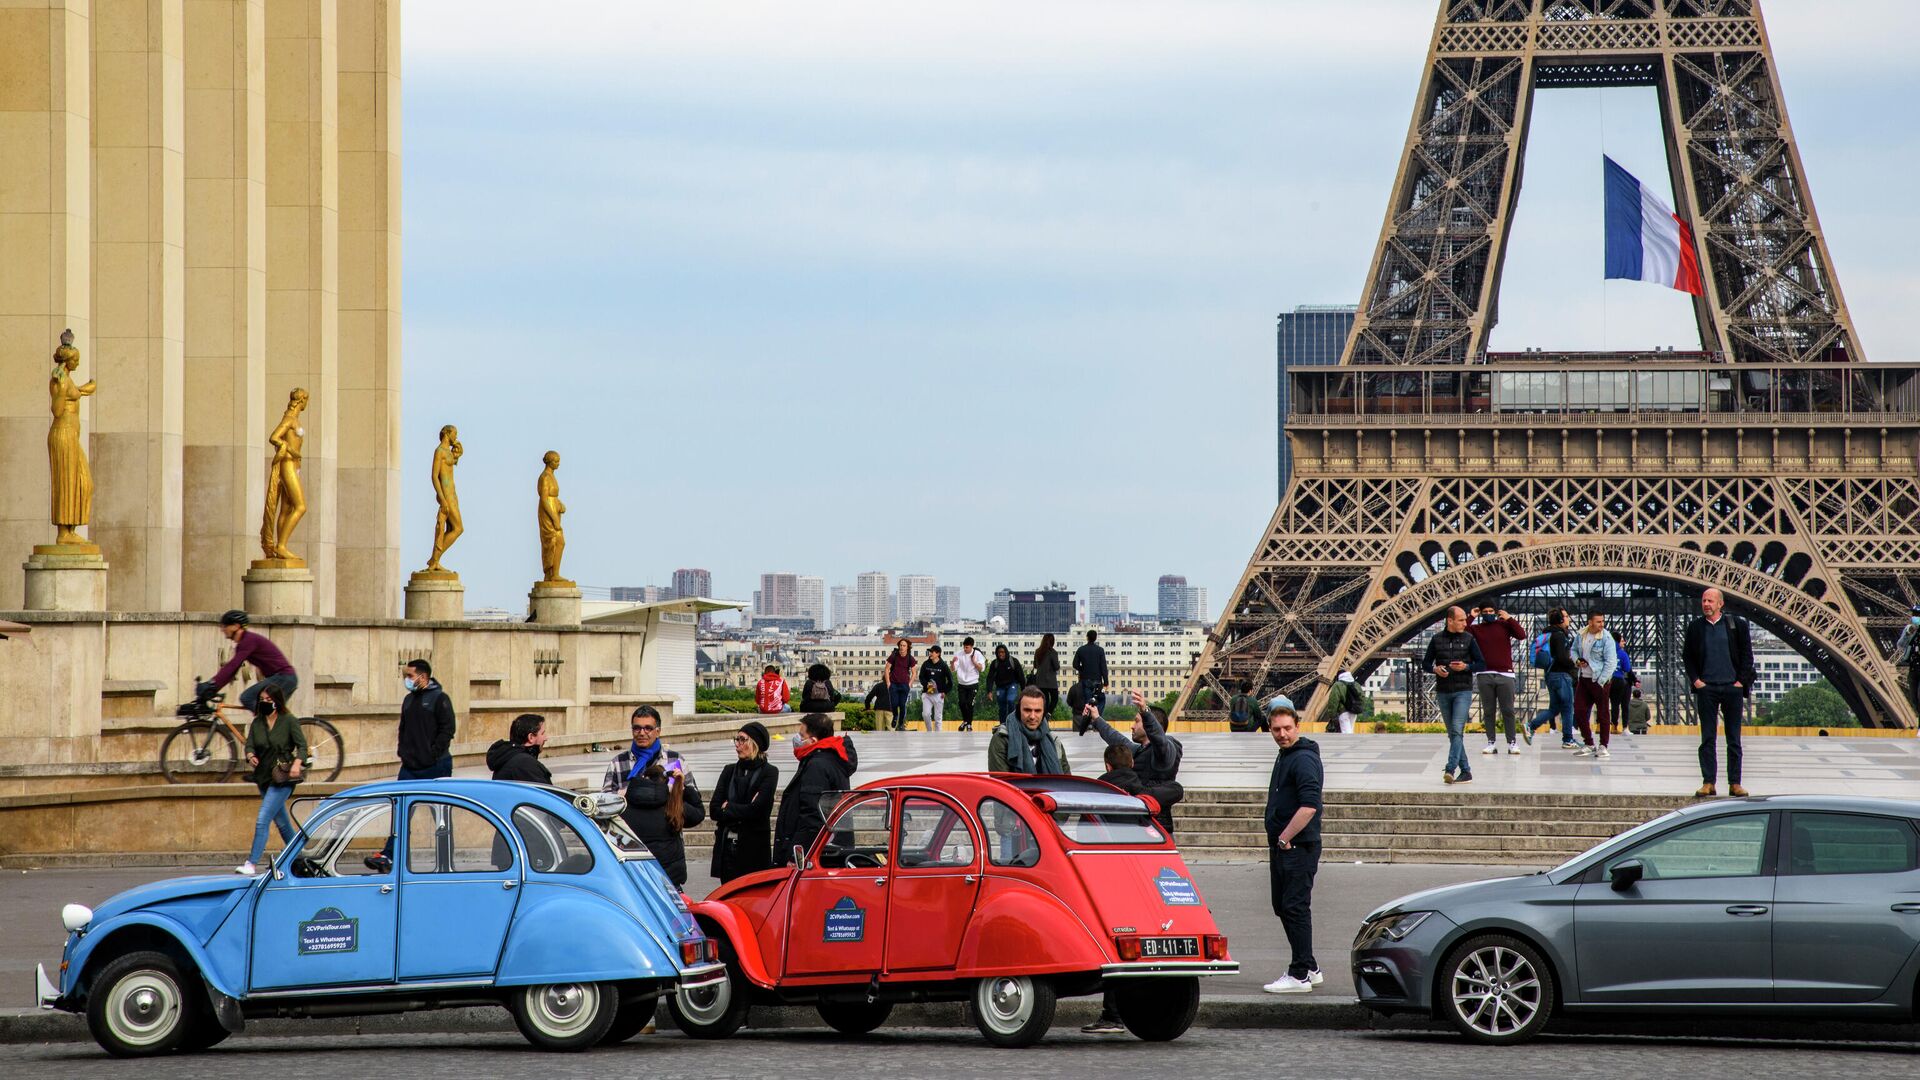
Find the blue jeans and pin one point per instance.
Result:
(1008, 698)
(1455, 706)
(273, 808)
(1559, 704)
(899, 694)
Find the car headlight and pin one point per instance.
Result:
(1397, 927)
(75, 917)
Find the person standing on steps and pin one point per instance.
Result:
(1558, 675)
(1596, 657)
(1718, 655)
(1293, 845)
(900, 681)
(936, 681)
(969, 664)
(1495, 632)
(1454, 658)
(1046, 672)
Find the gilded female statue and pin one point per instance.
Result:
(72, 479)
(286, 502)
(553, 539)
(447, 526)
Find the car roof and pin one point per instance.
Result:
(500, 796)
(1858, 804)
(1006, 785)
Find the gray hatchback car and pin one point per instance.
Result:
(1801, 905)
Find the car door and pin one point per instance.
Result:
(329, 914)
(837, 910)
(1698, 928)
(1846, 915)
(459, 884)
(936, 876)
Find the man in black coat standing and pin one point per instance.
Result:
(1293, 845)
(517, 757)
(1719, 659)
(827, 763)
(426, 726)
(1090, 667)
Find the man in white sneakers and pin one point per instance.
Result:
(1293, 845)
(968, 665)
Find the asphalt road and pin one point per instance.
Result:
(961, 1053)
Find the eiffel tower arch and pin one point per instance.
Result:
(1773, 463)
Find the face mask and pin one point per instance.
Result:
(407, 681)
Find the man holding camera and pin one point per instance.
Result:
(1495, 632)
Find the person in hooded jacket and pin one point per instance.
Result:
(1006, 677)
(817, 693)
(517, 757)
(426, 726)
(742, 806)
(662, 803)
(1153, 754)
(1294, 805)
(827, 763)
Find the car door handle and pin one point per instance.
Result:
(1747, 911)
(1907, 909)
(508, 884)
(385, 889)
(879, 881)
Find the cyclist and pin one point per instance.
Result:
(268, 662)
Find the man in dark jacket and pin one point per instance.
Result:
(1718, 655)
(827, 763)
(1122, 773)
(1293, 843)
(426, 726)
(1454, 658)
(1155, 755)
(1090, 668)
(517, 757)
(1495, 631)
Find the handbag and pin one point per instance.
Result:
(282, 772)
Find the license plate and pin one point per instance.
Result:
(1159, 948)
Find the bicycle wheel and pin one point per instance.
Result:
(329, 752)
(199, 752)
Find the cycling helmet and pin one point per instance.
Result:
(236, 617)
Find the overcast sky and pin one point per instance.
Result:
(979, 289)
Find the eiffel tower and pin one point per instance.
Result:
(1773, 464)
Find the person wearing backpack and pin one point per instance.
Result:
(1553, 657)
(770, 695)
(1240, 709)
(1156, 755)
(1348, 701)
(818, 694)
(936, 682)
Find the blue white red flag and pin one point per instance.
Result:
(1646, 240)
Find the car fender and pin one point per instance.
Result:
(565, 934)
(1538, 937)
(1022, 928)
(721, 919)
(139, 924)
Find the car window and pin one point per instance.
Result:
(1108, 827)
(447, 839)
(553, 846)
(356, 842)
(1009, 841)
(934, 833)
(857, 828)
(1718, 847)
(1851, 844)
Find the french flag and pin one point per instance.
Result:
(1646, 240)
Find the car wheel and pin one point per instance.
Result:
(1157, 1010)
(631, 1019)
(564, 1016)
(854, 1017)
(1012, 1010)
(712, 1012)
(1496, 990)
(138, 1006)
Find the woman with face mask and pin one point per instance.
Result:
(277, 750)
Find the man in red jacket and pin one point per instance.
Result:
(771, 696)
(1495, 632)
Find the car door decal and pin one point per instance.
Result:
(1176, 891)
(846, 921)
(330, 931)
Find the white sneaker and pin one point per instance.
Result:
(245, 869)
(1605, 753)
(1491, 749)
(1287, 984)
(1512, 747)
(1583, 751)
(1315, 977)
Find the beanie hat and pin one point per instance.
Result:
(757, 731)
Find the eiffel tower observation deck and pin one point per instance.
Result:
(1771, 462)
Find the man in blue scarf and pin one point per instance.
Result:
(646, 749)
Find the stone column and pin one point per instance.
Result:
(139, 220)
(46, 238)
(554, 603)
(226, 298)
(303, 248)
(369, 569)
(436, 596)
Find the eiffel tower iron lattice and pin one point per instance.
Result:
(1773, 464)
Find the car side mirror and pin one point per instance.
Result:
(799, 857)
(1625, 875)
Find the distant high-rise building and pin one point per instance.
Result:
(1309, 335)
(692, 583)
(780, 595)
(918, 600)
(1180, 602)
(841, 598)
(1001, 605)
(812, 602)
(871, 602)
(1200, 609)
(1106, 605)
(1041, 611)
(946, 603)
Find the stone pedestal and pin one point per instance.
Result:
(73, 577)
(555, 603)
(437, 596)
(276, 587)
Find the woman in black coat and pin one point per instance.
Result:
(662, 802)
(742, 807)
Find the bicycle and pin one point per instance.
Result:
(207, 748)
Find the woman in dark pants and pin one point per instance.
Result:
(1046, 672)
(742, 807)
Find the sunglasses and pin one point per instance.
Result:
(645, 727)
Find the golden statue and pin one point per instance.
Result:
(72, 479)
(286, 502)
(447, 526)
(553, 539)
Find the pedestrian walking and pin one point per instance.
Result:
(427, 725)
(1046, 672)
(742, 806)
(879, 701)
(1620, 687)
(270, 665)
(1718, 656)
(1454, 657)
(817, 694)
(277, 750)
(1090, 671)
(1293, 845)
(1027, 744)
(1006, 678)
(827, 764)
(1348, 702)
(969, 665)
(936, 681)
(900, 681)
(1495, 631)
(517, 757)
(1907, 655)
(1154, 754)
(1595, 657)
(771, 694)
(1554, 657)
